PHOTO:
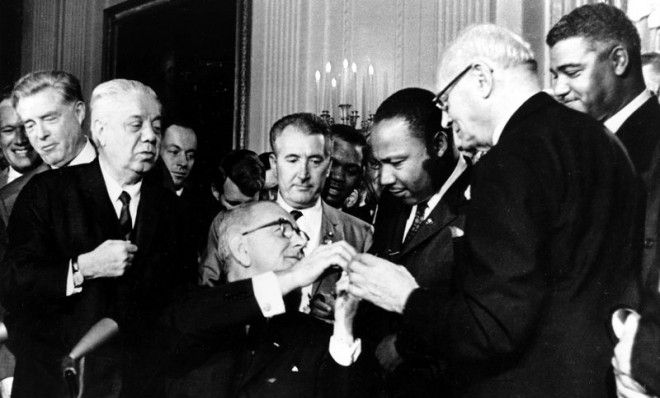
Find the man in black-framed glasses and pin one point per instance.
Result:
(262, 253)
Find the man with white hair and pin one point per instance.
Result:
(549, 236)
(94, 241)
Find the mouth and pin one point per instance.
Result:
(21, 152)
(146, 155)
(178, 174)
(48, 148)
(303, 187)
(397, 192)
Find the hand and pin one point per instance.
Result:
(307, 270)
(109, 260)
(387, 355)
(322, 306)
(345, 307)
(381, 282)
(626, 386)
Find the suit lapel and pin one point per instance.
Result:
(147, 218)
(329, 223)
(99, 206)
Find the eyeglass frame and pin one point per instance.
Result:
(280, 221)
(438, 101)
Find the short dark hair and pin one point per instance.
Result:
(348, 134)
(66, 84)
(415, 106)
(245, 169)
(265, 159)
(307, 123)
(653, 59)
(598, 23)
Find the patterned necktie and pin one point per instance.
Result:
(417, 221)
(125, 222)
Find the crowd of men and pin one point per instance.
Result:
(490, 240)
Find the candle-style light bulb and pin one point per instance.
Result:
(371, 70)
(345, 63)
(328, 67)
(333, 82)
(354, 67)
(317, 76)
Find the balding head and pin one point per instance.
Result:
(126, 126)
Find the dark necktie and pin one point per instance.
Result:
(125, 222)
(296, 214)
(417, 221)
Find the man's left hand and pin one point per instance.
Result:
(381, 282)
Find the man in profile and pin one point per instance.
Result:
(51, 107)
(551, 236)
(240, 339)
(19, 154)
(94, 241)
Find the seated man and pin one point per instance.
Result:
(236, 339)
(239, 180)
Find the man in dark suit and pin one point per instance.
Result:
(551, 236)
(420, 215)
(94, 241)
(595, 58)
(51, 107)
(302, 148)
(239, 339)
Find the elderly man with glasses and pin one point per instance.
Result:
(549, 237)
(239, 339)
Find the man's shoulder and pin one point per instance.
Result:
(15, 186)
(339, 217)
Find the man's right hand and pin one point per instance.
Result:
(109, 260)
(307, 270)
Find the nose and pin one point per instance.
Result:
(337, 172)
(560, 87)
(299, 241)
(386, 177)
(20, 138)
(40, 132)
(303, 170)
(149, 134)
(180, 160)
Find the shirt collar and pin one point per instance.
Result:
(499, 129)
(616, 121)
(86, 155)
(309, 211)
(113, 187)
(12, 174)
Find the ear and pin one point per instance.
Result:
(79, 109)
(238, 249)
(484, 75)
(97, 132)
(440, 143)
(272, 159)
(620, 60)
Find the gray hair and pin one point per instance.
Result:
(115, 88)
(66, 84)
(495, 43)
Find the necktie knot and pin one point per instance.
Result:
(296, 214)
(124, 198)
(417, 220)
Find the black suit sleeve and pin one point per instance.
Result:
(32, 268)
(645, 357)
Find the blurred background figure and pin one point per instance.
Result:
(346, 168)
(269, 191)
(651, 71)
(239, 180)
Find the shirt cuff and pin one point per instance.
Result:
(268, 294)
(345, 352)
(71, 288)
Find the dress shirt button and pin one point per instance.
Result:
(648, 243)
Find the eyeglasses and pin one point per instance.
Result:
(284, 227)
(440, 100)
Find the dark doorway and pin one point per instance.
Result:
(10, 42)
(189, 51)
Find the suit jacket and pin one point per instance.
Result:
(640, 134)
(645, 356)
(59, 215)
(218, 344)
(430, 257)
(551, 241)
(9, 192)
(4, 176)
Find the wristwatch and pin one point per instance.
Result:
(78, 278)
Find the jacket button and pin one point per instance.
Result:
(648, 243)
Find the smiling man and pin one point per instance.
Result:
(15, 146)
(597, 67)
(302, 148)
(94, 241)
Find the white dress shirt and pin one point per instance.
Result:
(616, 121)
(12, 175)
(86, 155)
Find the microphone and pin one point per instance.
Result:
(98, 334)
